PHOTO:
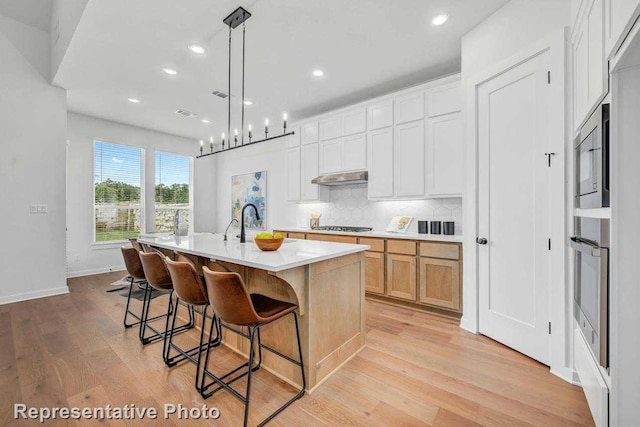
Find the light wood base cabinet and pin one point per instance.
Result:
(374, 272)
(439, 283)
(401, 276)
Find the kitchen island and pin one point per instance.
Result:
(325, 280)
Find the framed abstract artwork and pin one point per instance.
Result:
(250, 188)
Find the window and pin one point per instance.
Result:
(173, 185)
(117, 191)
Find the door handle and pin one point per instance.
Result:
(481, 240)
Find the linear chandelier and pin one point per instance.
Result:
(237, 17)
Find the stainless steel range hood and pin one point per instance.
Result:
(346, 178)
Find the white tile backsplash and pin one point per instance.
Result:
(349, 206)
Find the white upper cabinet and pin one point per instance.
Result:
(292, 159)
(343, 154)
(408, 108)
(354, 152)
(443, 99)
(444, 164)
(293, 140)
(309, 170)
(380, 115)
(380, 163)
(619, 16)
(309, 133)
(590, 71)
(330, 128)
(354, 122)
(409, 160)
(331, 156)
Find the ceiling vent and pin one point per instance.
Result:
(219, 94)
(185, 113)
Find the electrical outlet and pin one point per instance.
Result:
(36, 208)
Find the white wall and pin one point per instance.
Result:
(65, 17)
(514, 27)
(83, 256)
(32, 128)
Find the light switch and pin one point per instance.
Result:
(38, 208)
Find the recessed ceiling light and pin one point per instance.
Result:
(134, 100)
(206, 121)
(248, 102)
(318, 73)
(196, 48)
(440, 19)
(170, 71)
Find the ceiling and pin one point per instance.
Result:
(366, 48)
(36, 13)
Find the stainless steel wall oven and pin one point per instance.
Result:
(591, 283)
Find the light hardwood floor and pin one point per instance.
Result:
(417, 369)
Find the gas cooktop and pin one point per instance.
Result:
(343, 228)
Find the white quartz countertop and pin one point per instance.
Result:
(293, 252)
(382, 234)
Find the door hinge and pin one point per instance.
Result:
(549, 328)
(549, 244)
(548, 77)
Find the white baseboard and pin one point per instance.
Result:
(33, 295)
(466, 324)
(93, 271)
(567, 374)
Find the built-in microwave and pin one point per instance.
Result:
(591, 284)
(592, 161)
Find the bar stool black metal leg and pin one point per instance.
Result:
(127, 311)
(145, 313)
(199, 383)
(252, 333)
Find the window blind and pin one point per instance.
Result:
(117, 191)
(172, 186)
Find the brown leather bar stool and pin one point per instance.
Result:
(135, 244)
(158, 277)
(137, 277)
(233, 304)
(190, 289)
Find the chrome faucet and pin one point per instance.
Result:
(242, 236)
(225, 231)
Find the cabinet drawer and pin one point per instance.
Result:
(440, 250)
(377, 245)
(332, 238)
(296, 235)
(407, 247)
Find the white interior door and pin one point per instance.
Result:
(513, 204)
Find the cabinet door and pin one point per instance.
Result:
(380, 115)
(293, 140)
(409, 160)
(380, 163)
(619, 16)
(309, 133)
(443, 99)
(445, 169)
(309, 162)
(330, 128)
(408, 108)
(354, 122)
(293, 174)
(354, 152)
(440, 283)
(590, 68)
(401, 276)
(330, 156)
(374, 272)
